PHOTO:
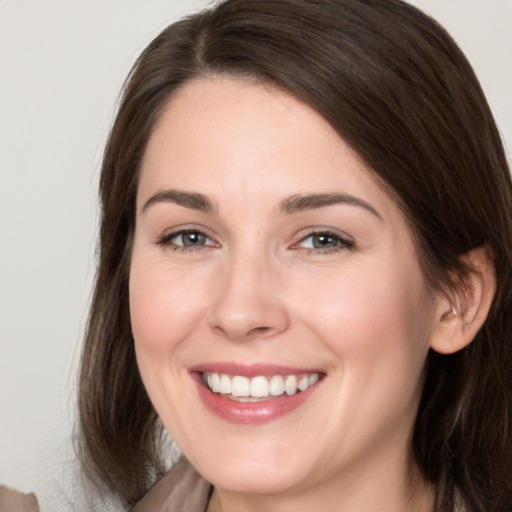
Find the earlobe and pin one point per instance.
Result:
(460, 317)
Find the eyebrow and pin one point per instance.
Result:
(191, 200)
(300, 202)
(290, 205)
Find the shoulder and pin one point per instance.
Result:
(182, 488)
(12, 500)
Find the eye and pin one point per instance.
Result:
(190, 239)
(324, 241)
(186, 239)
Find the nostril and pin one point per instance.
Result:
(260, 330)
(219, 330)
(249, 334)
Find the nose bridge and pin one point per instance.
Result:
(247, 303)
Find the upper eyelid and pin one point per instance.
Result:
(346, 242)
(167, 235)
(186, 228)
(183, 232)
(306, 232)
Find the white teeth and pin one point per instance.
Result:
(313, 379)
(215, 385)
(225, 385)
(240, 386)
(290, 385)
(276, 385)
(303, 383)
(258, 387)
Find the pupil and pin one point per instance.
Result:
(193, 238)
(324, 241)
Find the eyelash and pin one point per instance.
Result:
(341, 243)
(166, 240)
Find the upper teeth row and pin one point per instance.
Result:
(258, 387)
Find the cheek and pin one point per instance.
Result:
(377, 327)
(374, 318)
(165, 305)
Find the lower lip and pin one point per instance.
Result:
(251, 413)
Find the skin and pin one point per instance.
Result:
(259, 292)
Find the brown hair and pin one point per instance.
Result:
(396, 87)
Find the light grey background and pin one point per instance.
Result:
(62, 64)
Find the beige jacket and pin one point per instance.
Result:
(182, 489)
(14, 501)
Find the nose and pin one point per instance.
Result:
(248, 303)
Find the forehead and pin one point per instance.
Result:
(223, 136)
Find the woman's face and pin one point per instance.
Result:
(267, 261)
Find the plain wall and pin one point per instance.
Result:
(62, 64)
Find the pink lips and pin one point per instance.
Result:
(249, 413)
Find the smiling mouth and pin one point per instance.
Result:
(259, 388)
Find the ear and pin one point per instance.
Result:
(460, 315)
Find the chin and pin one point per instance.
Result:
(246, 478)
(257, 469)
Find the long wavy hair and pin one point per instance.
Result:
(395, 87)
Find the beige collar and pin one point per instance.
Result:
(182, 488)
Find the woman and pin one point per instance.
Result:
(305, 267)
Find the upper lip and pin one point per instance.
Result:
(251, 370)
